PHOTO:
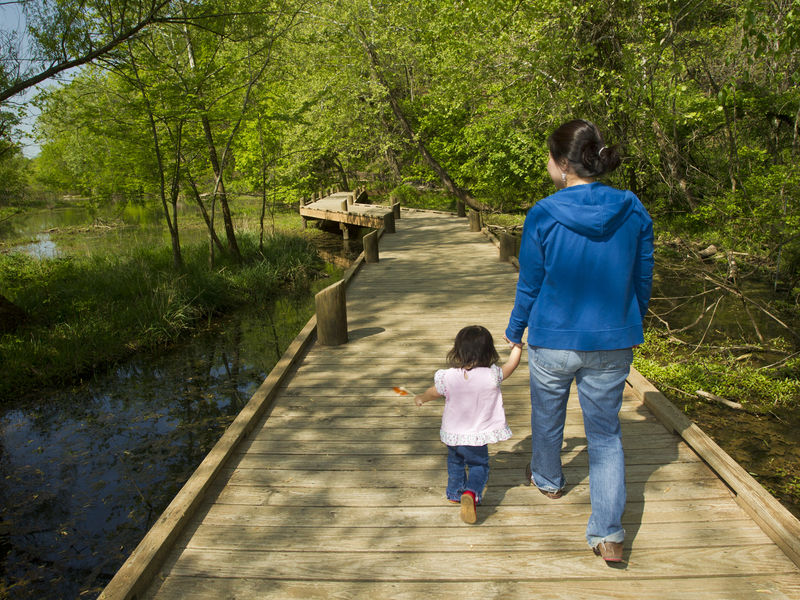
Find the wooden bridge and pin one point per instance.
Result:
(328, 484)
(350, 208)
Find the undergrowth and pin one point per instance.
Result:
(680, 373)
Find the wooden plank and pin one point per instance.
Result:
(433, 460)
(362, 216)
(324, 514)
(409, 435)
(499, 538)
(408, 477)
(523, 587)
(499, 566)
(414, 419)
(261, 495)
(644, 442)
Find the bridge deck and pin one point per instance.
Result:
(339, 490)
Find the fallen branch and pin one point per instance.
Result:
(710, 322)
(745, 298)
(780, 362)
(674, 389)
(721, 400)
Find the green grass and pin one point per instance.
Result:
(87, 313)
(504, 219)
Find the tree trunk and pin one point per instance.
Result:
(342, 175)
(219, 190)
(219, 186)
(444, 176)
(172, 220)
(211, 232)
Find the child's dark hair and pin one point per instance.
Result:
(474, 347)
(581, 144)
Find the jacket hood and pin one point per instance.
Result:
(592, 210)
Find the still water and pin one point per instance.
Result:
(87, 470)
(86, 228)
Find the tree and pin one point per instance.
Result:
(64, 35)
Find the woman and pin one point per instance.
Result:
(586, 264)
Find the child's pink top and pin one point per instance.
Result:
(473, 407)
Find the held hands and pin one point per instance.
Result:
(419, 400)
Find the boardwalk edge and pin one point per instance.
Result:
(777, 522)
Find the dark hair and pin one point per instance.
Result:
(581, 144)
(474, 347)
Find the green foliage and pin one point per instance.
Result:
(429, 199)
(14, 176)
(84, 314)
(404, 194)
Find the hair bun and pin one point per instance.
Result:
(580, 142)
(608, 159)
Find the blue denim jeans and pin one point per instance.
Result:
(600, 378)
(461, 459)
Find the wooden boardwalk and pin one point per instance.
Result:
(338, 492)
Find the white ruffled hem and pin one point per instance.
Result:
(475, 439)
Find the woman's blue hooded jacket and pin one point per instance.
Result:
(586, 269)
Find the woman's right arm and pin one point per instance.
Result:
(643, 270)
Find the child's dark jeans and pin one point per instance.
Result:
(467, 469)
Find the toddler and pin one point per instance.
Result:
(473, 413)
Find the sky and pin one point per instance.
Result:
(11, 18)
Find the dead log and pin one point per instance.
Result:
(720, 399)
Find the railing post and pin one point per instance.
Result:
(474, 220)
(396, 210)
(388, 222)
(371, 246)
(508, 247)
(331, 306)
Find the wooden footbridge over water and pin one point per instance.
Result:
(330, 485)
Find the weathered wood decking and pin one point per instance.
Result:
(339, 490)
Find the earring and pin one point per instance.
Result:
(563, 178)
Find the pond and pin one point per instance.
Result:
(88, 469)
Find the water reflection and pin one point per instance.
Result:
(42, 248)
(96, 228)
(87, 471)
